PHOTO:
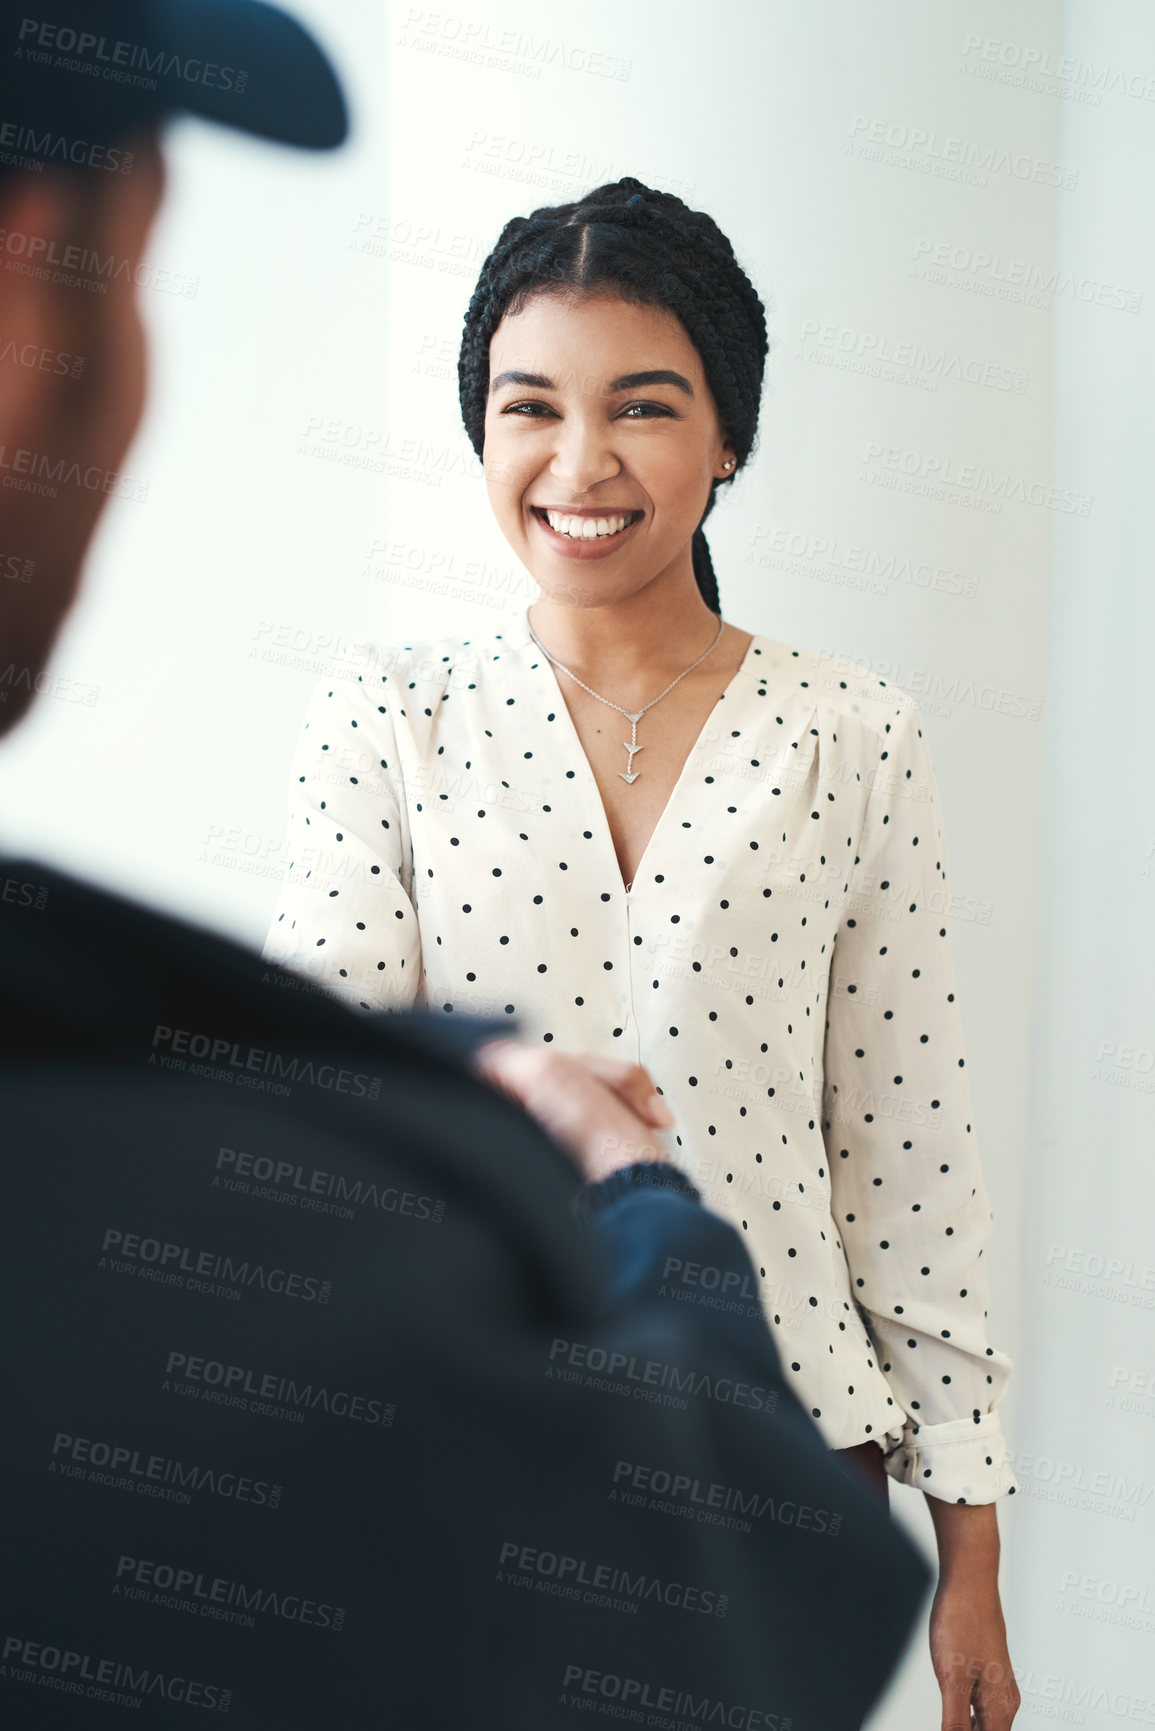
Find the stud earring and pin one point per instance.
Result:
(729, 463)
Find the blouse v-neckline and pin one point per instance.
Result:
(543, 664)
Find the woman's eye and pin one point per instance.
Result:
(648, 410)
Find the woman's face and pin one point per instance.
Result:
(570, 429)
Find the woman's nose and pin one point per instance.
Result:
(583, 456)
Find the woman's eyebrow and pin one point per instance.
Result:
(627, 382)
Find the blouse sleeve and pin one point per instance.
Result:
(345, 916)
(907, 1190)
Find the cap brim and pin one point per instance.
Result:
(250, 66)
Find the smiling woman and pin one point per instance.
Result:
(695, 347)
(582, 465)
(748, 905)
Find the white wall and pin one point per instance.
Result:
(1083, 1579)
(240, 537)
(886, 182)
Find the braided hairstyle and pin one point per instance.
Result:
(648, 248)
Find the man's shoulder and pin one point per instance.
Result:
(166, 1018)
(89, 968)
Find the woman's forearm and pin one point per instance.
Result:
(967, 1535)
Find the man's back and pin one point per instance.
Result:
(329, 1411)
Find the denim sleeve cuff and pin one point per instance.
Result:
(643, 1175)
(963, 1461)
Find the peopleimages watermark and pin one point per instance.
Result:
(586, 1686)
(579, 1578)
(1072, 1699)
(120, 1466)
(933, 690)
(1132, 1390)
(650, 1378)
(1078, 1270)
(46, 684)
(436, 571)
(503, 50)
(930, 152)
(286, 1181)
(380, 451)
(726, 1289)
(119, 60)
(1125, 1066)
(268, 1392)
(16, 892)
(37, 358)
(402, 240)
(1098, 1489)
(24, 147)
(310, 651)
(53, 260)
(117, 1682)
(1118, 1602)
(760, 1180)
(801, 553)
(26, 471)
(978, 271)
(168, 1264)
(901, 361)
(966, 483)
(667, 1492)
(248, 1060)
(177, 1588)
(1038, 69)
(544, 163)
(15, 568)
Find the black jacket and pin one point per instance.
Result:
(334, 1399)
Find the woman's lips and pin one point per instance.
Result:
(570, 547)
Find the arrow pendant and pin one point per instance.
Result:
(630, 774)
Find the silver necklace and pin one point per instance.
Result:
(633, 716)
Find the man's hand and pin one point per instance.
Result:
(601, 1110)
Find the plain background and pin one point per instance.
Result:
(932, 201)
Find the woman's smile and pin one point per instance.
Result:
(583, 535)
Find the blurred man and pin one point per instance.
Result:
(344, 1388)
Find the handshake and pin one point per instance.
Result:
(601, 1110)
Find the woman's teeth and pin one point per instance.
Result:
(586, 528)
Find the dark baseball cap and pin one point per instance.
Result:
(77, 76)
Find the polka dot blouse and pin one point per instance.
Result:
(781, 965)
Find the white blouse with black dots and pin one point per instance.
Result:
(781, 965)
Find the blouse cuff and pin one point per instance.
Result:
(642, 1175)
(963, 1461)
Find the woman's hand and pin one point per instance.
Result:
(968, 1637)
(601, 1110)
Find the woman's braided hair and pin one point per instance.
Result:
(649, 248)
